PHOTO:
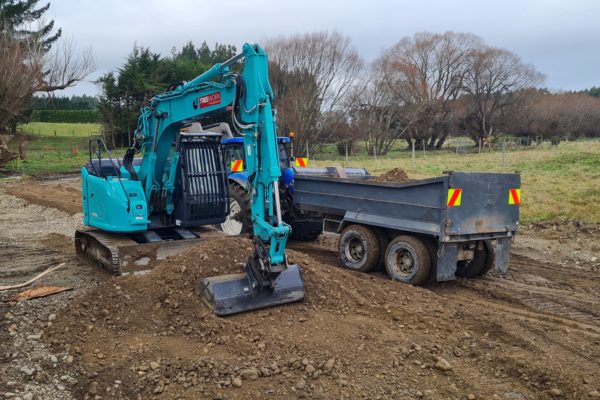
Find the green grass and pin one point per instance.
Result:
(557, 183)
(60, 129)
(55, 148)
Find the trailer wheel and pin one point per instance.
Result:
(490, 257)
(384, 240)
(481, 263)
(238, 221)
(359, 248)
(407, 260)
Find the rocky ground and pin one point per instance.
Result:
(531, 334)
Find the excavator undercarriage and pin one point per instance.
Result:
(125, 254)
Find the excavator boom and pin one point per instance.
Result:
(269, 279)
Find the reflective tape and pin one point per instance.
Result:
(302, 162)
(514, 196)
(454, 197)
(237, 166)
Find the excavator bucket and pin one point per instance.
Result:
(237, 293)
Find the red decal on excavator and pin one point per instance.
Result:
(210, 99)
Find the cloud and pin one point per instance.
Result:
(558, 37)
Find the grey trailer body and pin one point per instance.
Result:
(481, 211)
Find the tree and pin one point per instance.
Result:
(28, 64)
(26, 68)
(380, 113)
(74, 102)
(21, 64)
(495, 78)
(17, 17)
(593, 91)
(430, 70)
(144, 74)
(317, 71)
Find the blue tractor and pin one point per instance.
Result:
(306, 226)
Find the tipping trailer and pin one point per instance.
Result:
(440, 227)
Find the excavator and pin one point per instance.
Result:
(154, 204)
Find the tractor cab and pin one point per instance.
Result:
(235, 159)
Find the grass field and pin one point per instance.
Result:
(558, 182)
(49, 153)
(60, 129)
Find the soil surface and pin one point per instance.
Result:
(63, 195)
(396, 175)
(533, 333)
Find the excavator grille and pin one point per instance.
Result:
(204, 195)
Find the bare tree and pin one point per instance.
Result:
(431, 69)
(26, 68)
(380, 113)
(495, 78)
(21, 64)
(325, 65)
(65, 65)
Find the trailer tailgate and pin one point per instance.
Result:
(485, 203)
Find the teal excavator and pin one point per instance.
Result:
(156, 202)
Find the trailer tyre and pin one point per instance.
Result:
(481, 263)
(490, 257)
(359, 248)
(384, 240)
(407, 260)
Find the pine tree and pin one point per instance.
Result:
(16, 15)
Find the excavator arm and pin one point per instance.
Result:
(269, 279)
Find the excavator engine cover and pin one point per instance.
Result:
(236, 293)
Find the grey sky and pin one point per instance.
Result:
(561, 38)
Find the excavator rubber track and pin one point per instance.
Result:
(120, 254)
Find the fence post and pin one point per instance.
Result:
(414, 165)
(503, 153)
(346, 146)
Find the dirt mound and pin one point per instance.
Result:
(396, 175)
(63, 196)
(565, 229)
(354, 336)
(155, 335)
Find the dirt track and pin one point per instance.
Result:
(532, 334)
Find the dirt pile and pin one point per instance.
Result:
(566, 229)
(155, 336)
(354, 336)
(395, 175)
(64, 196)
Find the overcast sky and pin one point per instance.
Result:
(561, 38)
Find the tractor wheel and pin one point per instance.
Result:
(407, 260)
(239, 220)
(490, 257)
(359, 248)
(476, 266)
